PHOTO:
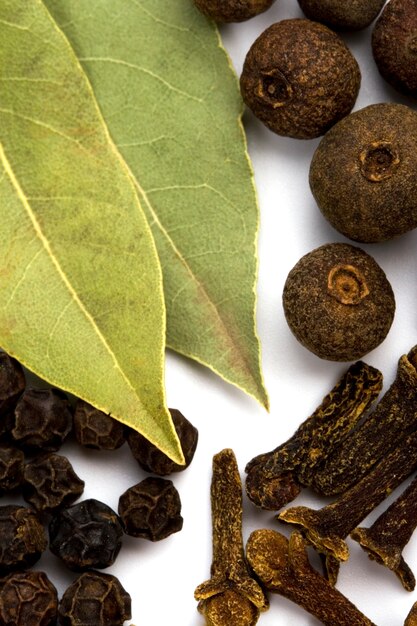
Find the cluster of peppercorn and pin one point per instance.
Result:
(86, 535)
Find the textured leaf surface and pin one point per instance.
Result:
(172, 106)
(81, 301)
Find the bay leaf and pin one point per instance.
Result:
(81, 299)
(172, 105)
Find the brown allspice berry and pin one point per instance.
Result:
(363, 173)
(232, 10)
(299, 78)
(342, 15)
(338, 302)
(394, 45)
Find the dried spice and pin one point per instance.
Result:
(12, 382)
(86, 535)
(151, 509)
(28, 599)
(362, 174)
(153, 460)
(326, 529)
(11, 468)
(385, 540)
(50, 483)
(22, 538)
(231, 597)
(411, 619)
(299, 78)
(394, 417)
(338, 302)
(275, 478)
(282, 566)
(95, 429)
(342, 15)
(394, 45)
(95, 599)
(232, 10)
(42, 420)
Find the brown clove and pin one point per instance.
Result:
(283, 567)
(275, 478)
(393, 418)
(411, 619)
(231, 597)
(389, 534)
(327, 528)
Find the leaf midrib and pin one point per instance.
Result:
(48, 249)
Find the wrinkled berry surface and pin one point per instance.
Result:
(94, 429)
(22, 538)
(28, 599)
(151, 509)
(86, 535)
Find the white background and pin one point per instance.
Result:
(161, 577)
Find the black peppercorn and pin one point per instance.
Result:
(50, 483)
(151, 509)
(28, 599)
(42, 420)
(153, 460)
(22, 538)
(86, 535)
(95, 599)
(12, 382)
(11, 468)
(94, 429)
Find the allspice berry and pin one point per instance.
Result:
(299, 78)
(232, 10)
(363, 173)
(338, 302)
(394, 45)
(340, 14)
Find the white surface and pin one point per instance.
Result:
(161, 577)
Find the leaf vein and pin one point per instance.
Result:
(47, 247)
(144, 70)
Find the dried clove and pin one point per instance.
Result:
(283, 567)
(275, 478)
(394, 417)
(327, 528)
(411, 619)
(231, 597)
(389, 534)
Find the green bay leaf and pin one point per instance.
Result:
(172, 106)
(81, 299)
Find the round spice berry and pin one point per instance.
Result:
(153, 460)
(11, 468)
(339, 14)
(42, 420)
(338, 302)
(151, 509)
(362, 174)
(22, 538)
(50, 483)
(232, 10)
(394, 45)
(12, 382)
(94, 429)
(299, 78)
(95, 599)
(28, 599)
(86, 535)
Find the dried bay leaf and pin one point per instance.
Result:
(172, 106)
(81, 300)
